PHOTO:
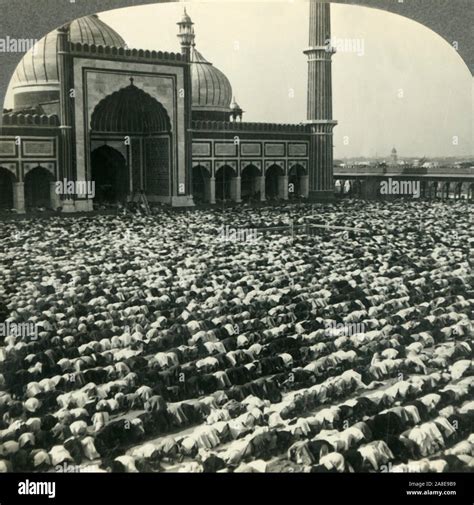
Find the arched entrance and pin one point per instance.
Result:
(201, 184)
(295, 181)
(271, 182)
(110, 174)
(224, 176)
(6, 188)
(37, 188)
(250, 183)
(133, 113)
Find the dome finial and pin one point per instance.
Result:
(132, 81)
(186, 20)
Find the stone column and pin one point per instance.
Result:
(236, 189)
(19, 197)
(262, 188)
(283, 187)
(304, 186)
(53, 196)
(212, 190)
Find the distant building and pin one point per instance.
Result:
(394, 158)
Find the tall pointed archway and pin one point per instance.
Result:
(37, 188)
(132, 114)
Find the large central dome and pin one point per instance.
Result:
(36, 79)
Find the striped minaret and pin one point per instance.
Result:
(319, 101)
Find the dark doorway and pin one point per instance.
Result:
(271, 182)
(6, 188)
(295, 186)
(223, 183)
(250, 184)
(110, 174)
(37, 190)
(200, 183)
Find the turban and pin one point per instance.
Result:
(26, 439)
(9, 447)
(41, 458)
(32, 404)
(5, 466)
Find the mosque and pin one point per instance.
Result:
(88, 108)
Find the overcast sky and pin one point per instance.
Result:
(404, 87)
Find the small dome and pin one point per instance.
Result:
(235, 106)
(130, 110)
(37, 74)
(185, 20)
(210, 87)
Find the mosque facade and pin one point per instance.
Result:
(87, 108)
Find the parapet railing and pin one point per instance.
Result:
(25, 119)
(244, 126)
(407, 170)
(145, 54)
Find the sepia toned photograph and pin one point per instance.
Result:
(235, 237)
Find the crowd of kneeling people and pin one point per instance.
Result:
(159, 347)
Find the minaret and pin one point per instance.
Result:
(186, 38)
(319, 102)
(65, 113)
(186, 35)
